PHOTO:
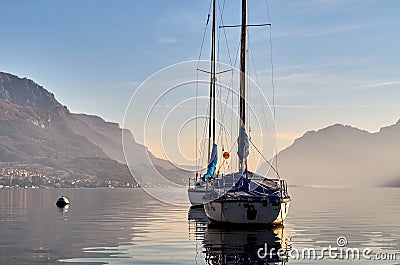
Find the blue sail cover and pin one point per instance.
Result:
(256, 191)
(243, 145)
(213, 162)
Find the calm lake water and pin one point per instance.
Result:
(125, 226)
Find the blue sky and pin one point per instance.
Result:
(335, 61)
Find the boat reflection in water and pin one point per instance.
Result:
(224, 245)
(198, 222)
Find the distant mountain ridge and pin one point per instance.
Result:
(109, 139)
(341, 155)
(36, 128)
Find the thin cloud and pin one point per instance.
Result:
(378, 85)
(322, 31)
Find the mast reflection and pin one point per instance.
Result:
(241, 246)
(198, 222)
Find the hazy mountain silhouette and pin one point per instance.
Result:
(341, 155)
(109, 137)
(36, 128)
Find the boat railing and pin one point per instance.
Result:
(283, 188)
(193, 180)
(219, 185)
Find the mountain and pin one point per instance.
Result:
(341, 155)
(28, 133)
(25, 92)
(36, 130)
(109, 137)
(39, 133)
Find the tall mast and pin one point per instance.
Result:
(211, 123)
(213, 52)
(242, 103)
(243, 65)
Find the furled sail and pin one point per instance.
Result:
(212, 163)
(243, 145)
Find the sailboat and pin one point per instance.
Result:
(242, 197)
(198, 185)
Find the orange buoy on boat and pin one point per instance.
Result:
(226, 155)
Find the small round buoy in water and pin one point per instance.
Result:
(62, 201)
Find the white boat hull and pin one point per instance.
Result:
(196, 196)
(243, 212)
